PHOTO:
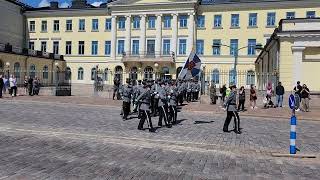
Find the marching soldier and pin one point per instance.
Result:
(116, 86)
(126, 93)
(172, 96)
(189, 90)
(162, 105)
(154, 101)
(213, 93)
(144, 99)
(232, 111)
(196, 90)
(180, 90)
(137, 89)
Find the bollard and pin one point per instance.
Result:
(293, 134)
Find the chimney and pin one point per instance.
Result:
(79, 4)
(54, 5)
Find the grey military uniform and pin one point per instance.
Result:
(145, 99)
(231, 102)
(126, 93)
(162, 95)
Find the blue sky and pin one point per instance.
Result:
(36, 3)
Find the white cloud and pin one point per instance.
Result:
(64, 5)
(97, 3)
(44, 3)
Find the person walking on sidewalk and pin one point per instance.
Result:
(253, 97)
(297, 94)
(1, 85)
(279, 95)
(213, 93)
(242, 98)
(13, 86)
(232, 111)
(305, 96)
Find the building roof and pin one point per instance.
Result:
(214, 2)
(17, 2)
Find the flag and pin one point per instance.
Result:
(191, 67)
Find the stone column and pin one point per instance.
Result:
(191, 32)
(174, 33)
(297, 64)
(142, 47)
(158, 35)
(113, 37)
(127, 48)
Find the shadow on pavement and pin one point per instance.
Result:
(202, 122)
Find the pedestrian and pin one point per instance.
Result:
(213, 93)
(297, 95)
(269, 91)
(305, 97)
(144, 101)
(162, 106)
(253, 97)
(6, 84)
(25, 85)
(279, 95)
(1, 85)
(13, 86)
(242, 98)
(126, 93)
(223, 91)
(195, 91)
(36, 86)
(116, 86)
(232, 111)
(172, 98)
(30, 86)
(189, 90)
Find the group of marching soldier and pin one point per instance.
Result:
(156, 98)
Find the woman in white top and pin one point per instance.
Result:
(13, 86)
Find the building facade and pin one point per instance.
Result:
(153, 38)
(292, 54)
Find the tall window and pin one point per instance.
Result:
(216, 49)
(82, 24)
(32, 71)
(234, 20)
(166, 47)
(135, 47)
(183, 21)
(290, 15)
(167, 21)
(311, 14)
(271, 19)
(251, 46)
(182, 46)
(136, 22)
(106, 72)
(44, 46)
(215, 76)
(93, 73)
(80, 73)
(108, 24)
(201, 21)
(250, 77)
(95, 25)
(45, 73)
(68, 47)
(32, 26)
(120, 47)
(253, 19)
(81, 48)
(44, 26)
(148, 73)
(122, 23)
(233, 47)
(55, 47)
(94, 47)
(16, 70)
(107, 48)
(69, 25)
(56, 25)
(151, 22)
(217, 21)
(232, 76)
(199, 47)
(31, 45)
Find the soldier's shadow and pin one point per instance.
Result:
(202, 122)
(180, 121)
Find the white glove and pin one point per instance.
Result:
(169, 97)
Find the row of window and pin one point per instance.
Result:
(135, 47)
(151, 20)
(252, 21)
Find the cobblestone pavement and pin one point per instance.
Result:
(67, 141)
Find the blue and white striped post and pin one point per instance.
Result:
(293, 134)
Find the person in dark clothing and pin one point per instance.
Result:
(223, 93)
(30, 86)
(297, 94)
(116, 86)
(232, 111)
(1, 85)
(126, 93)
(242, 98)
(279, 95)
(305, 98)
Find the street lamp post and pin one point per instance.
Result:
(235, 54)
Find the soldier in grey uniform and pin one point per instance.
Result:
(126, 93)
(172, 96)
(136, 92)
(162, 105)
(154, 101)
(189, 90)
(232, 111)
(196, 90)
(144, 99)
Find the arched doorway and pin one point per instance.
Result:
(118, 73)
(32, 71)
(16, 70)
(165, 73)
(148, 73)
(133, 73)
(179, 69)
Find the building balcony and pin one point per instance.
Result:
(128, 57)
